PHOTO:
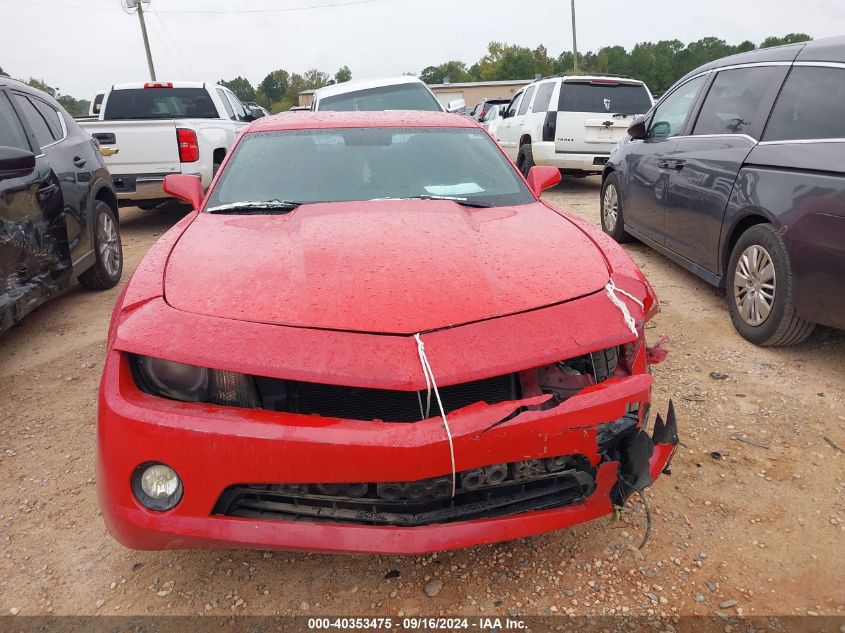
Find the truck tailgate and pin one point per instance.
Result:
(142, 147)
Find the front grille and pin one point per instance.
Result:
(496, 490)
(352, 403)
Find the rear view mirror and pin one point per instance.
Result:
(185, 188)
(637, 129)
(542, 178)
(15, 162)
(456, 105)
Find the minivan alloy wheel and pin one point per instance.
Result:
(610, 207)
(755, 285)
(108, 244)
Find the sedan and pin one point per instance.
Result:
(373, 336)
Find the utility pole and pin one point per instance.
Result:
(574, 42)
(147, 41)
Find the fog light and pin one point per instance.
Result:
(157, 486)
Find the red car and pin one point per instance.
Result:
(373, 336)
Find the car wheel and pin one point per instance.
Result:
(525, 159)
(612, 219)
(760, 290)
(108, 267)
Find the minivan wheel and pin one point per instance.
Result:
(612, 220)
(108, 266)
(760, 290)
(525, 159)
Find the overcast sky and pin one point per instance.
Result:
(82, 46)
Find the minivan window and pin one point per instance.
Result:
(523, 108)
(12, 133)
(595, 96)
(160, 103)
(42, 131)
(411, 96)
(671, 114)
(735, 103)
(544, 97)
(809, 105)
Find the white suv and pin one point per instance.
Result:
(391, 93)
(571, 123)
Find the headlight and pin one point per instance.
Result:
(175, 380)
(191, 383)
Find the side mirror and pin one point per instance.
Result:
(542, 178)
(661, 129)
(457, 104)
(256, 113)
(15, 162)
(637, 129)
(506, 114)
(185, 188)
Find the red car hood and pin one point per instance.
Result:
(393, 267)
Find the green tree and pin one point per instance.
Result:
(790, 38)
(343, 75)
(455, 71)
(274, 86)
(241, 87)
(40, 84)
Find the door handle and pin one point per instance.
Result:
(79, 161)
(671, 164)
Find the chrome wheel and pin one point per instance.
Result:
(610, 207)
(754, 285)
(108, 244)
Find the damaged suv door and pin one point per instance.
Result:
(34, 256)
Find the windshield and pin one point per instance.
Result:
(413, 96)
(160, 103)
(338, 165)
(615, 98)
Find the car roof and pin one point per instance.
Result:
(829, 49)
(363, 84)
(22, 86)
(388, 118)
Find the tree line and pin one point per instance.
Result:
(658, 64)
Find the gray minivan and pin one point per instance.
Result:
(738, 175)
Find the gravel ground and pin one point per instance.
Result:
(751, 521)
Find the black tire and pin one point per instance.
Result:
(525, 159)
(780, 326)
(108, 267)
(615, 228)
(215, 168)
(605, 362)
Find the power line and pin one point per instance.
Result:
(283, 10)
(331, 5)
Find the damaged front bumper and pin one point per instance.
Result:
(260, 479)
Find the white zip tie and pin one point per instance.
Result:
(430, 384)
(612, 289)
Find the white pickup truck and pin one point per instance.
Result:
(149, 130)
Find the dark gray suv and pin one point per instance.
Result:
(738, 175)
(58, 209)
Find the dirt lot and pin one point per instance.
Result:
(761, 530)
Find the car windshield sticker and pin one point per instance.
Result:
(455, 190)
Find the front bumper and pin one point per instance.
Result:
(213, 448)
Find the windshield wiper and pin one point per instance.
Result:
(255, 207)
(461, 201)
